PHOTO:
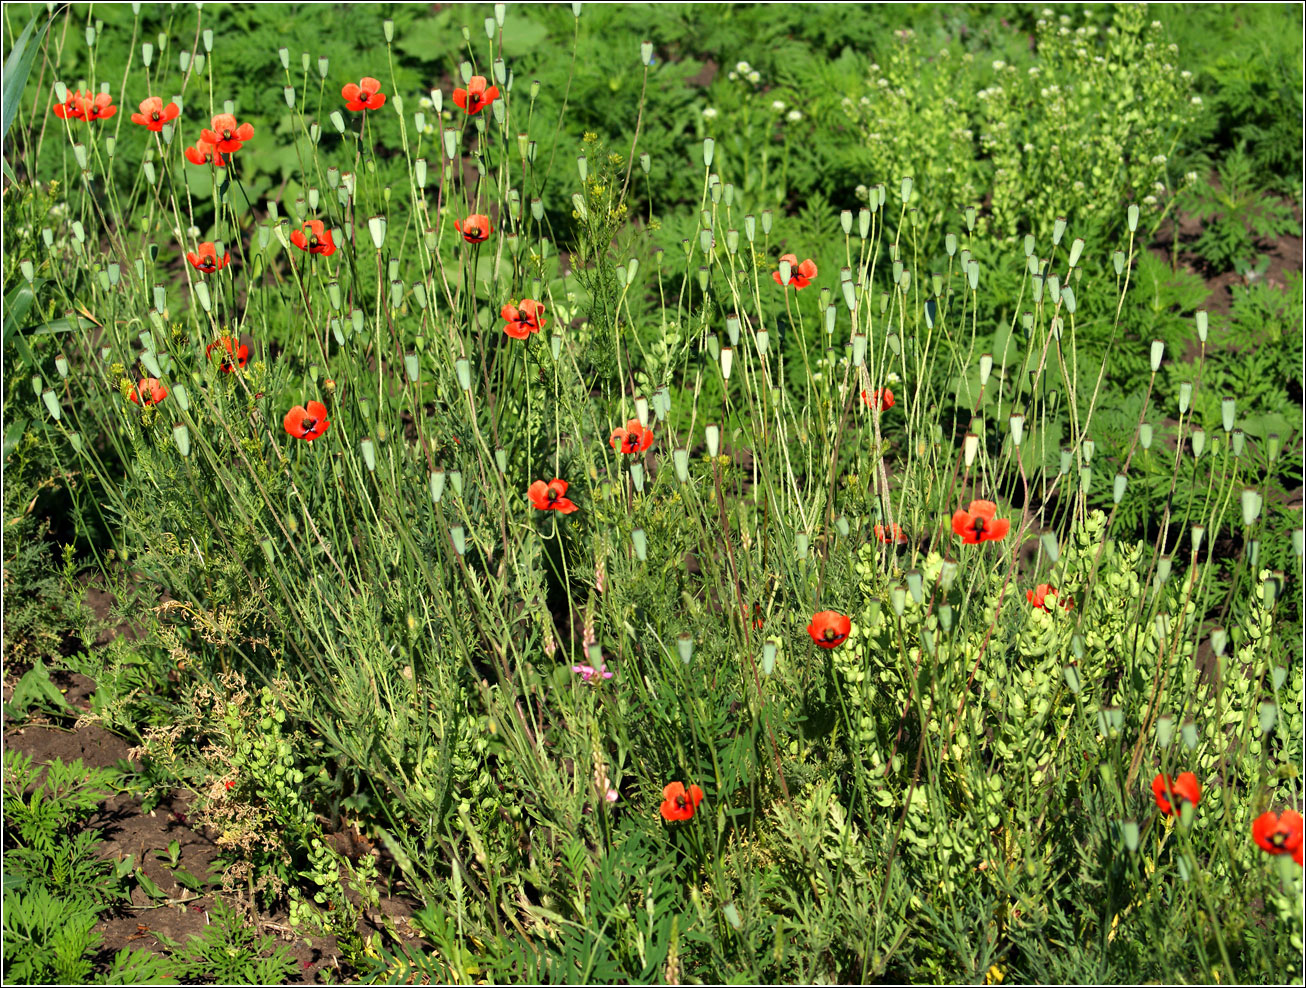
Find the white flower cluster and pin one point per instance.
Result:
(745, 71)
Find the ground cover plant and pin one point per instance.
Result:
(811, 532)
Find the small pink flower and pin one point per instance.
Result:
(611, 796)
(589, 673)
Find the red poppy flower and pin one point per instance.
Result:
(1036, 596)
(881, 398)
(522, 319)
(1277, 833)
(634, 438)
(97, 107)
(229, 785)
(829, 628)
(366, 95)
(679, 803)
(1185, 788)
(204, 153)
(234, 348)
(154, 114)
(71, 107)
(476, 97)
(800, 275)
(549, 497)
(226, 135)
(896, 537)
(149, 392)
(977, 523)
(757, 617)
(475, 229)
(306, 423)
(205, 258)
(317, 241)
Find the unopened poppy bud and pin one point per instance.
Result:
(893, 339)
(463, 369)
(1017, 424)
(1158, 351)
(849, 296)
(52, 404)
(1076, 250)
(284, 55)
(376, 227)
(501, 459)
(863, 222)
(1118, 261)
(79, 152)
(1066, 459)
(1085, 479)
(329, 386)
(1132, 216)
(412, 366)
(915, 585)
(800, 545)
(289, 93)
(985, 368)
(1238, 442)
(1048, 542)
(970, 219)
(388, 30)
(641, 410)
(456, 479)
(637, 477)
(202, 294)
(181, 437)
(459, 537)
(1058, 230)
(1118, 488)
(555, 345)
(766, 222)
(1202, 318)
(338, 121)
(437, 485)
(712, 434)
(859, 349)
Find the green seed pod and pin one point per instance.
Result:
(639, 539)
(906, 189)
(463, 368)
(1198, 441)
(1251, 505)
(356, 320)
(1071, 676)
(763, 340)
(1227, 406)
(459, 539)
(52, 404)
(898, 599)
(712, 433)
(646, 53)
(412, 366)
(1017, 424)
(1118, 261)
(501, 459)
(1203, 323)
(1189, 734)
(1058, 230)
(181, 437)
(969, 449)
(985, 368)
(1158, 352)
(1118, 488)
(437, 485)
(456, 479)
(950, 244)
(1129, 835)
(766, 222)
(1076, 250)
(338, 121)
(1238, 442)
(1066, 459)
(147, 55)
(680, 459)
(846, 221)
(709, 149)
(685, 646)
(369, 454)
(1132, 216)
(289, 93)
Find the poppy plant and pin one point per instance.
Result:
(225, 135)
(150, 391)
(307, 423)
(522, 319)
(881, 398)
(366, 95)
(97, 107)
(679, 803)
(205, 258)
(549, 496)
(1037, 595)
(475, 229)
(829, 629)
(477, 96)
(895, 537)
(634, 438)
(154, 114)
(318, 240)
(1277, 833)
(203, 153)
(234, 350)
(976, 524)
(71, 108)
(800, 275)
(1169, 793)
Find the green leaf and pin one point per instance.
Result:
(17, 67)
(186, 880)
(148, 887)
(35, 690)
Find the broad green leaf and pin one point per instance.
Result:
(17, 67)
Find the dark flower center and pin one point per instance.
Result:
(978, 525)
(226, 134)
(362, 97)
(154, 115)
(308, 425)
(1278, 838)
(681, 802)
(830, 634)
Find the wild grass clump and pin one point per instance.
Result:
(688, 592)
